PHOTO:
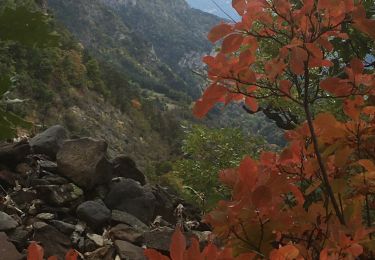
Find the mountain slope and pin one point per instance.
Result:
(150, 40)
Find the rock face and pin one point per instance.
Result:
(94, 213)
(49, 142)
(124, 166)
(129, 196)
(84, 161)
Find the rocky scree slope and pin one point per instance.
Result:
(65, 193)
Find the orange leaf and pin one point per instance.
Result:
(352, 107)
(239, 6)
(252, 104)
(152, 254)
(219, 31)
(71, 255)
(261, 197)
(357, 66)
(232, 43)
(285, 86)
(178, 245)
(288, 252)
(35, 252)
(194, 251)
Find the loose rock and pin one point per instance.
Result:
(7, 222)
(84, 162)
(94, 213)
(129, 251)
(129, 196)
(124, 166)
(50, 141)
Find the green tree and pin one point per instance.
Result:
(206, 152)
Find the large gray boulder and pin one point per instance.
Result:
(84, 161)
(129, 196)
(49, 142)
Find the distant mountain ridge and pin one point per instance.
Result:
(149, 40)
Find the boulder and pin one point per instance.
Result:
(84, 161)
(124, 166)
(7, 249)
(19, 237)
(7, 222)
(129, 196)
(49, 142)
(94, 213)
(63, 227)
(58, 195)
(129, 251)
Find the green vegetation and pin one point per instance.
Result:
(206, 152)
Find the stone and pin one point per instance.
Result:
(49, 142)
(103, 253)
(129, 196)
(23, 198)
(7, 249)
(126, 218)
(84, 161)
(97, 239)
(159, 239)
(7, 178)
(127, 233)
(12, 154)
(7, 222)
(53, 241)
(129, 251)
(165, 203)
(124, 166)
(94, 213)
(63, 227)
(19, 237)
(45, 216)
(59, 194)
(47, 166)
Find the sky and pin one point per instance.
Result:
(209, 6)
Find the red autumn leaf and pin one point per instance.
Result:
(52, 258)
(352, 107)
(336, 86)
(232, 43)
(178, 245)
(152, 254)
(357, 66)
(35, 252)
(297, 58)
(252, 104)
(194, 251)
(261, 197)
(248, 171)
(239, 6)
(219, 32)
(288, 252)
(285, 86)
(355, 250)
(71, 255)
